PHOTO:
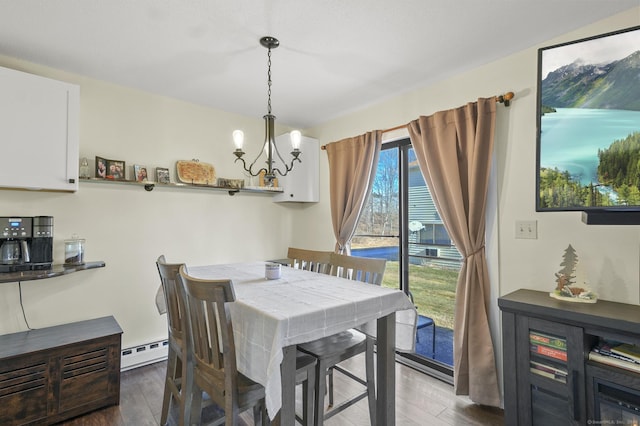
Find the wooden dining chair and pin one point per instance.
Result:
(309, 260)
(177, 367)
(211, 344)
(330, 351)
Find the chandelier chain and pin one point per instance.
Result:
(269, 81)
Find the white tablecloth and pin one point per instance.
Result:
(301, 306)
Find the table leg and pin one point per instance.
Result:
(287, 414)
(386, 402)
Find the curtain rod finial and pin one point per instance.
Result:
(506, 98)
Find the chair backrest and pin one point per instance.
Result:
(211, 334)
(309, 260)
(365, 269)
(171, 288)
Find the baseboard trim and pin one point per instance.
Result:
(141, 355)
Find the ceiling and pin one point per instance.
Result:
(335, 56)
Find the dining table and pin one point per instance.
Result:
(270, 317)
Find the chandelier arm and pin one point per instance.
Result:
(288, 167)
(248, 170)
(255, 161)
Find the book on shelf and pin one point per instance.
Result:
(548, 370)
(606, 348)
(616, 362)
(557, 377)
(560, 354)
(627, 350)
(538, 338)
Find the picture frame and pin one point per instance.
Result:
(140, 173)
(101, 167)
(162, 175)
(588, 124)
(116, 169)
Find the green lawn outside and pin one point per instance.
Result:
(433, 290)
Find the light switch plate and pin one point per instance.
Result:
(527, 229)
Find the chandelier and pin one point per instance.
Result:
(270, 149)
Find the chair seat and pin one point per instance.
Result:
(342, 343)
(424, 322)
(304, 362)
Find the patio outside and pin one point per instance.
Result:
(433, 290)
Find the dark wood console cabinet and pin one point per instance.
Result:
(51, 374)
(563, 387)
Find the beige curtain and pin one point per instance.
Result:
(453, 149)
(352, 170)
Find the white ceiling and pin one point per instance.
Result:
(335, 56)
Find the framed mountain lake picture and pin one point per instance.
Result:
(588, 129)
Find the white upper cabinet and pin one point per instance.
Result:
(302, 183)
(38, 132)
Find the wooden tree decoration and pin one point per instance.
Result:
(565, 276)
(565, 280)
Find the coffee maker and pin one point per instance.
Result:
(26, 243)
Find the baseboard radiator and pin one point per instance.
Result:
(146, 354)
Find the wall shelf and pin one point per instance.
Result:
(54, 271)
(150, 186)
(611, 217)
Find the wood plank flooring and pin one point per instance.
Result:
(420, 400)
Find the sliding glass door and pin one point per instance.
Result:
(400, 223)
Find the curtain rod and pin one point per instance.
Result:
(503, 99)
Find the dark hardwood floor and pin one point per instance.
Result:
(420, 400)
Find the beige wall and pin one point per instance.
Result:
(129, 228)
(609, 255)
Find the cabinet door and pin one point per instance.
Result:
(39, 132)
(302, 183)
(550, 365)
(24, 384)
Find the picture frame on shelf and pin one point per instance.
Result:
(162, 175)
(140, 173)
(116, 169)
(101, 168)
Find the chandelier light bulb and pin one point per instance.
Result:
(238, 138)
(296, 138)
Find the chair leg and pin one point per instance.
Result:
(321, 387)
(433, 344)
(192, 395)
(169, 376)
(330, 388)
(308, 389)
(260, 413)
(371, 380)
